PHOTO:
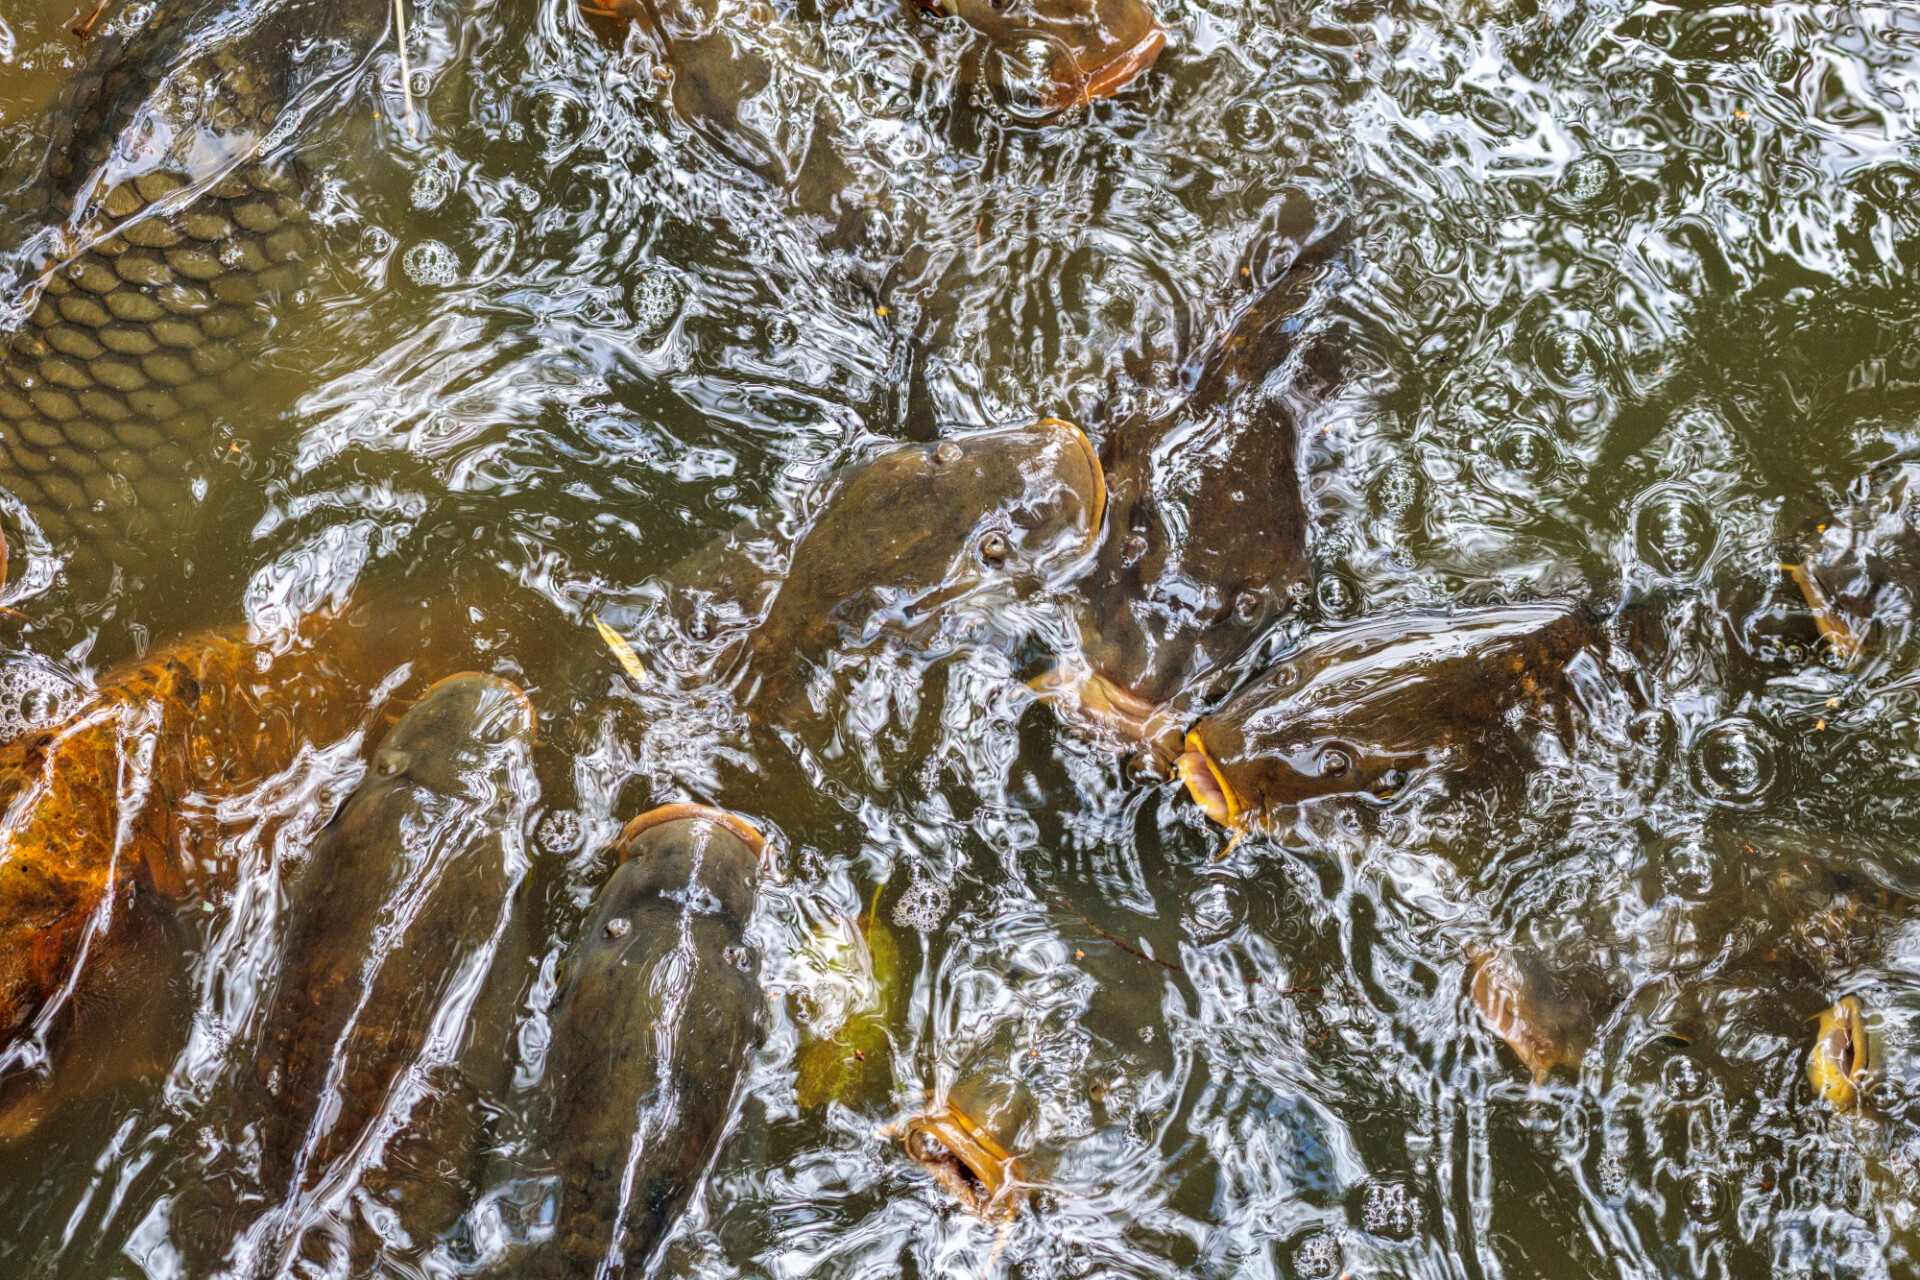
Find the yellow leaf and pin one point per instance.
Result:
(629, 660)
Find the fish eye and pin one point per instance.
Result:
(1334, 762)
(390, 763)
(993, 548)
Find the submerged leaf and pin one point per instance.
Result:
(629, 660)
(844, 1009)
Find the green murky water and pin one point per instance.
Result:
(1627, 311)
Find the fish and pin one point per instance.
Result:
(1365, 710)
(109, 813)
(98, 807)
(965, 1139)
(716, 67)
(1845, 1055)
(659, 1005)
(1093, 48)
(1206, 533)
(907, 543)
(160, 224)
(852, 971)
(393, 925)
(1547, 1015)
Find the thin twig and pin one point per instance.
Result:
(406, 73)
(1132, 951)
(84, 30)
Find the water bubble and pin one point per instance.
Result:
(1703, 1196)
(1683, 1079)
(923, 906)
(1733, 762)
(1691, 871)
(35, 694)
(1217, 910)
(1528, 451)
(1674, 533)
(1389, 1210)
(559, 118)
(1590, 182)
(1336, 597)
(431, 263)
(1397, 489)
(559, 831)
(656, 300)
(1565, 356)
(432, 184)
(1782, 62)
(1317, 1257)
(1251, 123)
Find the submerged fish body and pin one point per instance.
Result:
(1206, 531)
(1547, 1015)
(1364, 709)
(394, 924)
(148, 243)
(913, 543)
(651, 1029)
(108, 817)
(101, 807)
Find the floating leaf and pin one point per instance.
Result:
(629, 660)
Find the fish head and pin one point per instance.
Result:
(464, 734)
(1236, 790)
(1087, 49)
(707, 854)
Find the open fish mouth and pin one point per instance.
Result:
(656, 817)
(964, 1158)
(1208, 785)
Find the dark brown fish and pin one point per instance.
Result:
(1206, 531)
(715, 67)
(905, 540)
(657, 1012)
(1365, 709)
(393, 925)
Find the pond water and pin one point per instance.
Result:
(1624, 305)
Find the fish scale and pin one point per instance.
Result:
(142, 283)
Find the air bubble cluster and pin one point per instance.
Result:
(35, 694)
(431, 264)
(923, 906)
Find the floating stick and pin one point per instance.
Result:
(406, 74)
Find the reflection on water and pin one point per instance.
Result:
(1624, 307)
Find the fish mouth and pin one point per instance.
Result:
(965, 1159)
(1207, 785)
(1094, 469)
(748, 834)
(1843, 1055)
(1112, 75)
(1072, 689)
